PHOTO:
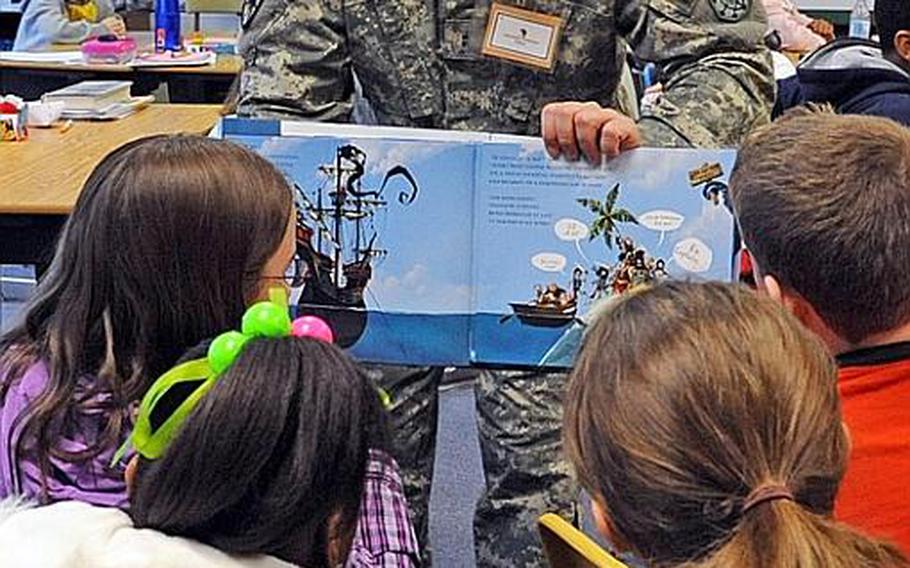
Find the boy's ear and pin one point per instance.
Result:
(846, 430)
(803, 310)
(130, 474)
(902, 44)
(770, 287)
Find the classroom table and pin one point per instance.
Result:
(41, 178)
(203, 83)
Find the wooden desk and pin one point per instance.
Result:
(225, 65)
(204, 83)
(47, 171)
(41, 178)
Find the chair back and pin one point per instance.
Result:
(567, 547)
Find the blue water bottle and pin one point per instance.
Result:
(861, 20)
(167, 26)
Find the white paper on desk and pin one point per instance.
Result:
(175, 60)
(42, 56)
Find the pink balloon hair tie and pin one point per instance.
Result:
(314, 327)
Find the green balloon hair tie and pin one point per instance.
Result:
(174, 395)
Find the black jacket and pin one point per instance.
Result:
(854, 77)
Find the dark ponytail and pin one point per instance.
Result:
(273, 459)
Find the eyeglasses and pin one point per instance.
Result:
(294, 276)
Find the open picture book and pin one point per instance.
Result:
(427, 247)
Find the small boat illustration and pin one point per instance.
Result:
(552, 307)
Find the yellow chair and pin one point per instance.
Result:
(567, 547)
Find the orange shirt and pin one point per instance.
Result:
(875, 392)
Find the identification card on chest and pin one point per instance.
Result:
(522, 36)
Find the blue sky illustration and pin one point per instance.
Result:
(427, 268)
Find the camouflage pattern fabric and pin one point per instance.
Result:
(520, 424)
(713, 103)
(419, 62)
(718, 79)
(420, 65)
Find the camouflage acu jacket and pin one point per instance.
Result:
(420, 62)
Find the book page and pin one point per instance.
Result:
(384, 230)
(554, 239)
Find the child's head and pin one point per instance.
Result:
(170, 238)
(272, 459)
(686, 400)
(823, 202)
(892, 18)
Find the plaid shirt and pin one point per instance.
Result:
(385, 536)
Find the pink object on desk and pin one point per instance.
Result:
(109, 49)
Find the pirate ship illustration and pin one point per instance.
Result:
(707, 176)
(337, 239)
(554, 306)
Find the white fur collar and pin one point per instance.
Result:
(77, 535)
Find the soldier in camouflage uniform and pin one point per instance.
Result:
(420, 64)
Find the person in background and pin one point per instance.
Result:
(797, 31)
(862, 77)
(705, 421)
(171, 238)
(430, 64)
(823, 204)
(262, 464)
(45, 22)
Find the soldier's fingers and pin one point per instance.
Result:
(632, 137)
(565, 133)
(619, 134)
(587, 132)
(548, 128)
(609, 142)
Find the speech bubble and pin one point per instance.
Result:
(549, 261)
(569, 229)
(662, 221)
(693, 255)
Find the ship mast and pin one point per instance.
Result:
(339, 213)
(358, 217)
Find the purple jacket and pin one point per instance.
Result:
(385, 536)
(93, 482)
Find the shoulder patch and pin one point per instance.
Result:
(731, 10)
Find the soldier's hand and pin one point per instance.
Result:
(572, 128)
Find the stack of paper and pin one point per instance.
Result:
(65, 57)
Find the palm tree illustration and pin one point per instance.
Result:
(607, 216)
